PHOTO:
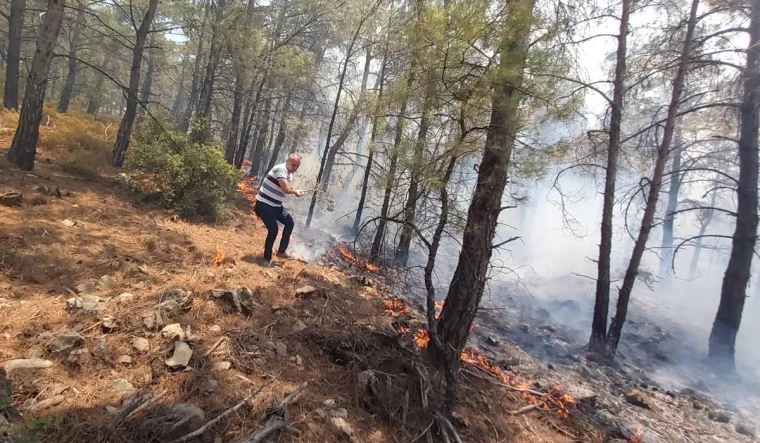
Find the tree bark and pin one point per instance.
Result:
(13, 61)
(734, 288)
(96, 95)
(192, 103)
(280, 140)
(263, 131)
(375, 127)
(469, 279)
(181, 93)
(675, 185)
(148, 83)
(125, 128)
(308, 98)
(237, 104)
(215, 52)
(24, 147)
(602, 303)
(68, 87)
(624, 295)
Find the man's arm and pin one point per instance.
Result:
(285, 186)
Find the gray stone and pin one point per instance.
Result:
(73, 304)
(746, 430)
(125, 360)
(181, 356)
(79, 356)
(122, 386)
(178, 295)
(26, 365)
(68, 223)
(719, 416)
(342, 429)
(216, 329)
(173, 331)
(306, 290)
(108, 324)
(281, 349)
(299, 360)
(184, 418)
(242, 299)
(86, 288)
(65, 343)
(141, 344)
(339, 412)
(260, 361)
(299, 326)
(153, 320)
(126, 297)
(107, 283)
(329, 403)
(222, 366)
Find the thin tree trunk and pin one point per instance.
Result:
(469, 279)
(281, 131)
(12, 65)
(96, 95)
(24, 147)
(602, 302)
(207, 88)
(375, 127)
(327, 150)
(125, 128)
(237, 104)
(181, 92)
(675, 186)
(148, 83)
(263, 132)
(71, 75)
(333, 152)
(192, 103)
(734, 288)
(624, 295)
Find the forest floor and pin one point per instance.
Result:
(120, 322)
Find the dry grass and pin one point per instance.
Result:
(146, 251)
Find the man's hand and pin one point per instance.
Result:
(298, 193)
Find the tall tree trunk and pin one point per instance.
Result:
(327, 150)
(192, 103)
(734, 288)
(125, 128)
(705, 219)
(215, 53)
(96, 95)
(12, 65)
(377, 243)
(181, 93)
(237, 104)
(375, 127)
(469, 279)
(281, 131)
(148, 83)
(263, 132)
(333, 151)
(624, 295)
(24, 146)
(602, 302)
(675, 185)
(71, 75)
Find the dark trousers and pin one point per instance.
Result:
(270, 215)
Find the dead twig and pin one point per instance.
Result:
(503, 385)
(229, 411)
(216, 345)
(525, 409)
(278, 418)
(446, 428)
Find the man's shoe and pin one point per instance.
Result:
(265, 263)
(284, 255)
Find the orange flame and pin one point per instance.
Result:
(394, 305)
(358, 262)
(219, 259)
(422, 338)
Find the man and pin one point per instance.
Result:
(274, 188)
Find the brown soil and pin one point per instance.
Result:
(144, 251)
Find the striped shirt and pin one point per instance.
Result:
(270, 191)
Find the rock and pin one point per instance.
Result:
(746, 430)
(460, 420)
(281, 349)
(339, 412)
(299, 360)
(697, 405)
(121, 386)
(367, 382)
(305, 290)
(173, 332)
(65, 343)
(87, 304)
(26, 365)
(242, 299)
(11, 199)
(126, 297)
(47, 404)
(79, 356)
(637, 398)
(493, 341)
(68, 223)
(112, 409)
(342, 429)
(153, 320)
(108, 324)
(299, 326)
(141, 344)
(216, 329)
(124, 360)
(184, 418)
(260, 361)
(719, 416)
(86, 288)
(73, 304)
(181, 356)
(107, 283)
(329, 403)
(178, 295)
(222, 366)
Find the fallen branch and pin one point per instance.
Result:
(229, 411)
(503, 385)
(525, 409)
(216, 345)
(277, 418)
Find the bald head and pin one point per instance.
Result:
(293, 163)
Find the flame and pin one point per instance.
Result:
(422, 338)
(395, 305)
(219, 259)
(358, 262)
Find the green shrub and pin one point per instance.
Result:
(191, 178)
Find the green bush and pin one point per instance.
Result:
(191, 178)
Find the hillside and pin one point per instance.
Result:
(97, 291)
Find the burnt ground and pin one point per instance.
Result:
(97, 292)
